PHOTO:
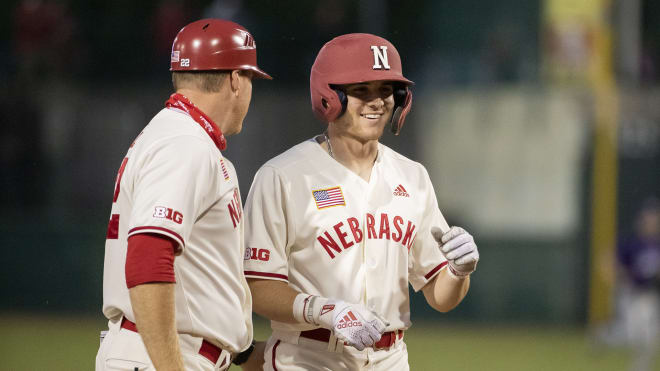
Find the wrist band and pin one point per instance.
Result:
(300, 304)
(309, 314)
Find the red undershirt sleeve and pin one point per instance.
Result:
(150, 258)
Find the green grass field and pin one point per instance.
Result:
(58, 343)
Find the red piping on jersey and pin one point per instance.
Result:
(174, 234)
(432, 272)
(274, 350)
(264, 274)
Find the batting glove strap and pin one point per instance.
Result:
(321, 311)
(456, 273)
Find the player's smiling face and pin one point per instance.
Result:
(368, 110)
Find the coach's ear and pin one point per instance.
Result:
(235, 81)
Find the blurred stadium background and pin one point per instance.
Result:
(538, 120)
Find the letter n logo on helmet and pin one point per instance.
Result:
(380, 56)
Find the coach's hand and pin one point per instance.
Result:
(459, 249)
(352, 323)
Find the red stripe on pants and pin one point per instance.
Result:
(274, 350)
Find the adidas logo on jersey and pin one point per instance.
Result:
(349, 320)
(400, 191)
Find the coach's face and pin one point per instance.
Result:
(368, 109)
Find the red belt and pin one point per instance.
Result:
(387, 340)
(208, 350)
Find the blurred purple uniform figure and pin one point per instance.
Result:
(639, 254)
(639, 300)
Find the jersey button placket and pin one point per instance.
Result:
(369, 262)
(366, 267)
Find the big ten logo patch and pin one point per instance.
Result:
(252, 253)
(235, 208)
(168, 213)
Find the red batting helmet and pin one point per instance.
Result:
(215, 44)
(355, 58)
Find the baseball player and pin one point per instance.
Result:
(173, 286)
(339, 225)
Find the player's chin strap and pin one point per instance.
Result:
(401, 110)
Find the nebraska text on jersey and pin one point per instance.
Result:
(338, 237)
(328, 197)
(235, 208)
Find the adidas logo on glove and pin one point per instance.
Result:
(349, 320)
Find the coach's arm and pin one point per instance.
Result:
(150, 281)
(153, 306)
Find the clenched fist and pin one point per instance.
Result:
(458, 248)
(352, 323)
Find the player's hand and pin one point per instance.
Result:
(459, 249)
(353, 324)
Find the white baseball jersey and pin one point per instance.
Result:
(175, 182)
(315, 224)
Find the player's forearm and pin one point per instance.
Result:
(445, 291)
(153, 306)
(273, 299)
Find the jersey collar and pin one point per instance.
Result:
(181, 102)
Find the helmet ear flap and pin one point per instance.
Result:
(342, 99)
(400, 93)
(400, 110)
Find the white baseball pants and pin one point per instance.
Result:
(123, 350)
(309, 355)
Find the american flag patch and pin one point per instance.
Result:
(224, 170)
(328, 197)
(174, 58)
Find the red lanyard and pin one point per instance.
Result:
(179, 101)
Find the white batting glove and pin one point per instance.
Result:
(353, 324)
(459, 249)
